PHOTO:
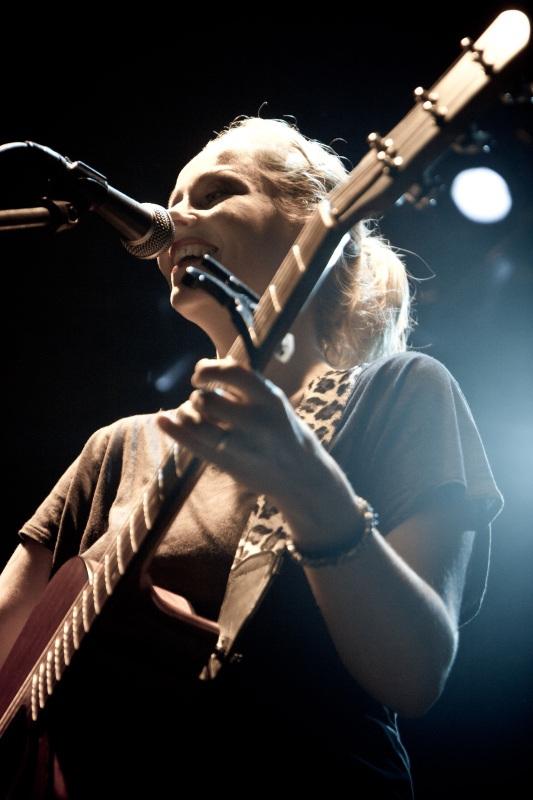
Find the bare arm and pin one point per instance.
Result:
(22, 583)
(393, 612)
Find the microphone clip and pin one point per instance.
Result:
(241, 302)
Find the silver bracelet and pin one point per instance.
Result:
(333, 559)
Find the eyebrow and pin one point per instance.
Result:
(225, 169)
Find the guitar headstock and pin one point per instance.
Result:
(502, 41)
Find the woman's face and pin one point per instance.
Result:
(222, 206)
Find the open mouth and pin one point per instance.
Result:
(190, 254)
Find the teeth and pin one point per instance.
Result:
(191, 251)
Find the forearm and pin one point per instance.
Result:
(391, 629)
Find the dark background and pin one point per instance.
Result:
(88, 329)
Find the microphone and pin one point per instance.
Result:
(147, 230)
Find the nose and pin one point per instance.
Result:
(182, 213)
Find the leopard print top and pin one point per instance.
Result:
(321, 408)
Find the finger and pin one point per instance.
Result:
(199, 436)
(234, 377)
(240, 412)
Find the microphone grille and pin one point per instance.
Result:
(159, 237)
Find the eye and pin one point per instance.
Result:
(215, 194)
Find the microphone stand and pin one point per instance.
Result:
(54, 215)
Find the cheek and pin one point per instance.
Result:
(257, 244)
(277, 239)
(165, 267)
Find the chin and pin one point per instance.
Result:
(192, 304)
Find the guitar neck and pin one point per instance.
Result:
(388, 170)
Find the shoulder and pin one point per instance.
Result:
(409, 396)
(409, 371)
(408, 362)
(133, 432)
(126, 425)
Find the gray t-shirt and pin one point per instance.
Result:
(406, 436)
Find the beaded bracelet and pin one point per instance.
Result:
(338, 557)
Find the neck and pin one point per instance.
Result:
(293, 376)
(305, 363)
(293, 380)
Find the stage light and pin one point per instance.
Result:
(481, 194)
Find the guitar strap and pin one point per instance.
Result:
(262, 548)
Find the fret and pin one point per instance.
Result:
(274, 299)
(35, 706)
(50, 674)
(122, 551)
(98, 594)
(41, 695)
(72, 635)
(298, 258)
(59, 656)
(87, 609)
(146, 511)
(182, 459)
(110, 576)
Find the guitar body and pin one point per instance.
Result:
(23, 741)
(147, 614)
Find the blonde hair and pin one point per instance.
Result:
(363, 309)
